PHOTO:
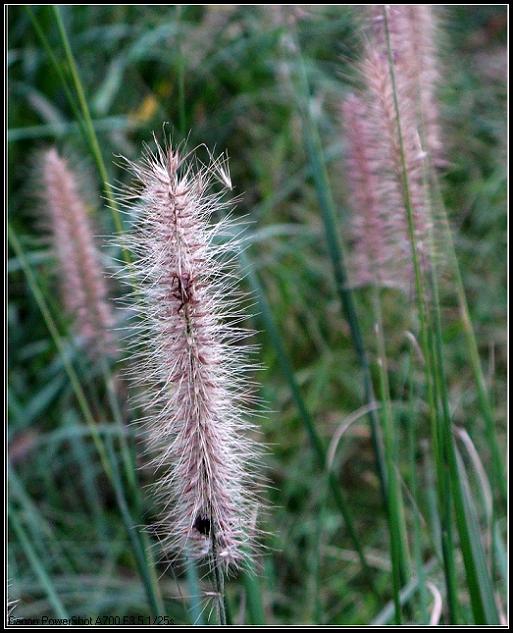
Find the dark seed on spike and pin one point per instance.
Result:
(202, 524)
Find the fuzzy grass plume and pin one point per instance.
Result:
(378, 223)
(375, 150)
(388, 144)
(413, 38)
(189, 355)
(82, 277)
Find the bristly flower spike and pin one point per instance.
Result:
(375, 153)
(382, 112)
(83, 279)
(378, 224)
(413, 38)
(190, 357)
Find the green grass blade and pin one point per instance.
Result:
(387, 613)
(497, 460)
(62, 129)
(500, 554)
(88, 478)
(52, 328)
(194, 590)
(314, 437)
(395, 514)
(327, 206)
(444, 425)
(478, 577)
(253, 591)
(89, 127)
(40, 531)
(414, 488)
(38, 567)
(57, 66)
(434, 380)
(136, 542)
(108, 463)
(479, 581)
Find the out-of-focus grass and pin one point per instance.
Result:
(236, 96)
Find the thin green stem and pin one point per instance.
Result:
(478, 580)
(91, 132)
(427, 348)
(37, 566)
(218, 578)
(308, 422)
(440, 379)
(396, 520)
(52, 328)
(336, 254)
(497, 460)
(417, 533)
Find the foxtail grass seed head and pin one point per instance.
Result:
(83, 280)
(378, 224)
(393, 143)
(190, 356)
(413, 38)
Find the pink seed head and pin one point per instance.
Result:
(392, 143)
(413, 39)
(83, 285)
(377, 229)
(192, 364)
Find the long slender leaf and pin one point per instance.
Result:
(327, 206)
(38, 567)
(433, 376)
(315, 440)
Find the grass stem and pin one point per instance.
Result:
(396, 518)
(323, 190)
(309, 424)
(90, 130)
(478, 580)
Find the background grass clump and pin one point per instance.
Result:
(223, 76)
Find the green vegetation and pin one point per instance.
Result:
(97, 81)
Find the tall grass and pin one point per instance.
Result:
(450, 485)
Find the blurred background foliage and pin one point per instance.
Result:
(220, 75)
